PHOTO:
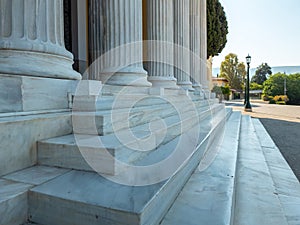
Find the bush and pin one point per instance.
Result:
(267, 98)
(281, 103)
(281, 98)
(272, 101)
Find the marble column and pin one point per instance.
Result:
(160, 45)
(32, 39)
(195, 33)
(203, 46)
(116, 48)
(182, 43)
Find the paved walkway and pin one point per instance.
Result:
(282, 123)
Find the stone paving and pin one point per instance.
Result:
(282, 123)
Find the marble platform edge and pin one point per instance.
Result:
(256, 200)
(286, 183)
(33, 115)
(208, 196)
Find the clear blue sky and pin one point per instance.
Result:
(269, 30)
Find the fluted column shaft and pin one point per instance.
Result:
(32, 39)
(195, 32)
(116, 42)
(160, 46)
(182, 43)
(203, 48)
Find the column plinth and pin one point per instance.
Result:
(32, 40)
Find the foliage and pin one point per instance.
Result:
(225, 90)
(272, 101)
(221, 92)
(216, 89)
(280, 98)
(233, 71)
(261, 73)
(293, 90)
(256, 86)
(267, 98)
(275, 86)
(281, 103)
(217, 28)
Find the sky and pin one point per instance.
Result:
(268, 30)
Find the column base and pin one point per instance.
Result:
(164, 82)
(37, 64)
(186, 85)
(137, 78)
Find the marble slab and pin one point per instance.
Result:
(36, 175)
(23, 93)
(286, 183)
(19, 136)
(257, 201)
(13, 202)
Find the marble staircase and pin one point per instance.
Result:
(61, 162)
(236, 175)
(66, 151)
(122, 203)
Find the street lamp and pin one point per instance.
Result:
(248, 107)
(245, 90)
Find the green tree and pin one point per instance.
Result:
(221, 92)
(293, 90)
(233, 71)
(256, 86)
(261, 73)
(225, 90)
(275, 86)
(217, 28)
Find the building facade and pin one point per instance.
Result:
(117, 88)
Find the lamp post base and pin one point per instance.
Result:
(248, 107)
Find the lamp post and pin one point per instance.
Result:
(248, 107)
(245, 91)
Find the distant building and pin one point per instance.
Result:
(219, 81)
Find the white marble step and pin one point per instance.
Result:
(14, 192)
(121, 101)
(19, 135)
(79, 197)
(257, 200)
(107, 122)
(64, 151)
(208, 196)
(286, 183)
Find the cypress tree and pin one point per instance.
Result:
(217, 28)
